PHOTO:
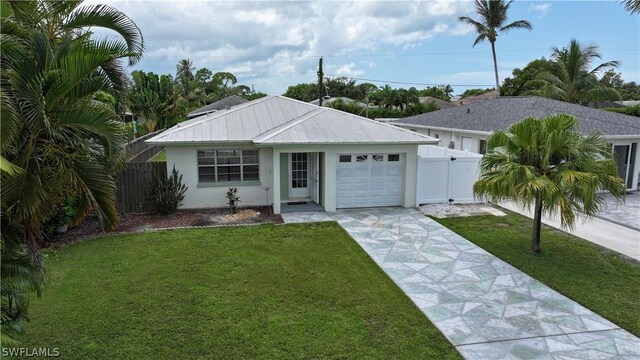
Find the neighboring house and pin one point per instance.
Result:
(467, 127)
(277, 150)
(223, 104)
(475, 98)
(441, 103)
(326, 101)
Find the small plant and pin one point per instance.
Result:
(167, 193)
(233, 198)
(58, 218)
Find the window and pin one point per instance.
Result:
(436, 135)
(483, 147)
(299, 175)
(377, 157)
(228, 165)
(394, 157)
(345, 158)
(361, 158)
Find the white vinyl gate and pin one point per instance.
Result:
(445, 175)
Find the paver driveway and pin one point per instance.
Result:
(487, 308)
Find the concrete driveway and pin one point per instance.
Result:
(487, 308)
(617, 237)
(625, 214)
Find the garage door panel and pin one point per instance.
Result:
(371, 182)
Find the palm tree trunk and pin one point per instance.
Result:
(495, 67)
(32, 241)
(537, 225)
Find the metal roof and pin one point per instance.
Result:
(222, 104)
(281, 120)
(500, 113)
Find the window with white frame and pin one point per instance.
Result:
(228, 165)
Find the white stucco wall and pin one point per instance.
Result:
(210, 195)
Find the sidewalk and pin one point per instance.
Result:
(618, 238)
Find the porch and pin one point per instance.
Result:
(297, 181)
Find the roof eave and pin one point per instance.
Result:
(405, 125)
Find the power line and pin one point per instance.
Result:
(407, 83)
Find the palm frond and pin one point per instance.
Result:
(110, 18)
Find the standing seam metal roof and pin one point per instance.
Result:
(281, 120)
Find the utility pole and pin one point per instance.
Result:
(320, 82)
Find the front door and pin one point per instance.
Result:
(298, 176)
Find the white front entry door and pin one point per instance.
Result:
(369, 180)
(299, 176)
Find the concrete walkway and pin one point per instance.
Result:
(484, 306)
(622, 239)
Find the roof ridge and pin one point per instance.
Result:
(382, 123)
(603, 119)
(212, 116)
(288, 125)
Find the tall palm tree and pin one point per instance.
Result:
(547, 163)
(570, 78)
(56, 132)
(632, 6)
(493, 15)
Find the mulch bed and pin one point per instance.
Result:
(139, 222)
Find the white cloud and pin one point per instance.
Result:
(348, 70)
(542, 9)
(274, 44)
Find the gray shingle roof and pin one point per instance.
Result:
(281, 120)
(222, 104)
(500, 113)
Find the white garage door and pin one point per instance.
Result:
(368, 180)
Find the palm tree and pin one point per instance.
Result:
(546, 162)
(632, 6)
(56, 132)
(184, 70)
(570, 78)
(493, 15)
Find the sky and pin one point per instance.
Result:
(270, 45)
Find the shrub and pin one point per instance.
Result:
(59, 215)
(167, 193)
(234, 199)
(628, 110)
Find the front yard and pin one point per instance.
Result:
(289, 291)
(595, 277)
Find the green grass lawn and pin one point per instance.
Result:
(288, 291)
(159, 157)
(594, 277)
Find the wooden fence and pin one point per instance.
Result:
(141, 151)
(134, 183)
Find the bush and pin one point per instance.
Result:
(167, 193)
(234, 199)
(59, 215)
(628, 110)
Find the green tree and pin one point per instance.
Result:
(516, 85)
(571, 79)
(547, 163)
(156, 100)
(475, 92)
(627, 90)
(442, 92)
(53, 124)
(303, 92)
(493, 15)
